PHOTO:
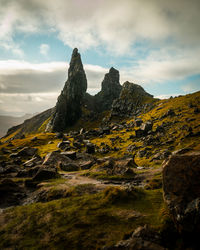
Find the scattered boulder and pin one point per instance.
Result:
(138, 122)
(53, 158)
(69, 166)
(181, 175)
(90, 148)
(45, 173)
(147, 126)
(11, 193)
(32, 162)
(62, 145)
(86, 164)
(27, 151)
(34, 139)
(70, 154)
(143, 238)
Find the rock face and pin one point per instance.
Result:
(133, 99)
(110, 90)
(143, 238)
(68, 107)
(181, 185)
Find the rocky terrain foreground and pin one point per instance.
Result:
(128, 179)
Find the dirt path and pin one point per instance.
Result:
(75, 178)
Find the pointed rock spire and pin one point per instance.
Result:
(68, 106)
(110, 89)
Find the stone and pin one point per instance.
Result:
(70, 154)
(143, 238)
(69, 166)
(87, 164)
(54, 158)
(62, 145)
(32, 162)
(11, 193)
(11, 168)
(27, 151)
(138, 122)
(34, 139)
(181, 186)
(139, 133)
(45, 173)
(59, 135)
(147, 126)
(90, 148)
(68, 107)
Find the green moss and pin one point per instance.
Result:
(78, 221)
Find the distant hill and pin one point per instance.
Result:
(9, 121)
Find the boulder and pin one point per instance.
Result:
(11, 193)
(63, 144)
(45, 173)
(138, 122)
(27, 151)
(70, 154)
(143, 238)
(69, 166)
(54, 158)
(86, 164)
(147, 126)
(181, 185)
(32, 162)
(90, 148)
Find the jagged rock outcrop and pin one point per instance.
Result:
(110, 90)
(74, 103)
(133, 99)
(68, 106)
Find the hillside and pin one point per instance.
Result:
(100, 184)
(10, 121)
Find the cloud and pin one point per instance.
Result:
(27, 87)
(158, 70)
(44, 49)
(19, 104)
(192, 86)
(115, 26)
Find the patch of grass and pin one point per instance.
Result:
(81, 222)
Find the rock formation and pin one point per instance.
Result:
(110, 90)
(181, 186)
(133, 98)
(68, 106)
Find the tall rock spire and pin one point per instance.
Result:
(110, 90)
(68, 106)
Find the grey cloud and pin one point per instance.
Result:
(117, 25)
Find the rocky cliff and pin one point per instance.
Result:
(110, 90)
(132, 100)
(75, 106)
(68, 106)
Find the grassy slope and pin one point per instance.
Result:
(92, 220)
(85, 222)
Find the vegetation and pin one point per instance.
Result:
(81, 222)
(89, 217)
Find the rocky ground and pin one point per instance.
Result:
(103, 188)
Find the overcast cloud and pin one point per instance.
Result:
(172, 27)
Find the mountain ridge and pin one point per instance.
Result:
(74, 103)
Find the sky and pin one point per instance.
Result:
(154, 43)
